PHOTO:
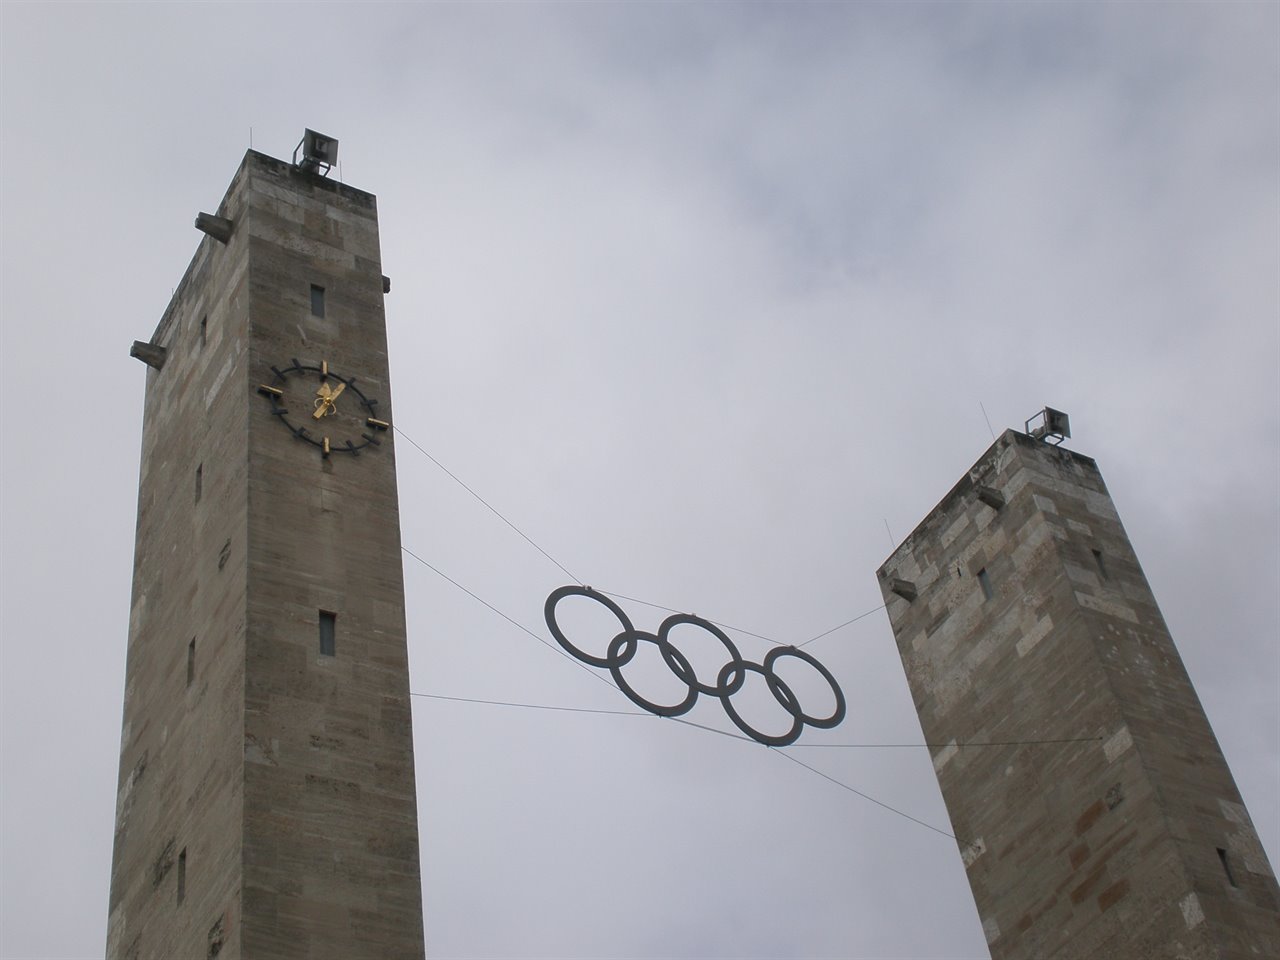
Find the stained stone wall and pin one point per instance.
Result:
(1021, 613)
(278, 780)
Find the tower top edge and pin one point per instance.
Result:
(1015, 441)
(284, 169)
(255, 163)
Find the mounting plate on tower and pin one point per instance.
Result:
(1050, 425)
(319, 153)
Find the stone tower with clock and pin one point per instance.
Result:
(1101, 819)
(266, 803)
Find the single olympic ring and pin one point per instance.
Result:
(669, 653)
(781, 692)
(729, 680)
(679, 667)
(772, 678)
(628, 630)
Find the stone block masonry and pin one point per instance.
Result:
(266, 806)
(1021, 613)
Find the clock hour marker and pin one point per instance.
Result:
(378, 424)
(267, 391)
(326, 446)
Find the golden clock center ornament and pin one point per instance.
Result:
(287, 385)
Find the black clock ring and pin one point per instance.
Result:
(301, 432)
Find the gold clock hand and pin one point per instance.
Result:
(326, 395)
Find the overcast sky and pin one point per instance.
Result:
(707, 299)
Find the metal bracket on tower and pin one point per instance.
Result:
(319, 153)
(1050, 425)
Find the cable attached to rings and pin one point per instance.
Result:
(565, 570)
(510, 620)
(779, 747)
(491, 507)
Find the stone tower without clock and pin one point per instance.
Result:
(266, 803)
(1021, 614)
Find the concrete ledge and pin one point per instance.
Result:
(217, 227)
(152, 354)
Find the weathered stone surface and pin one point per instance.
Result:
(1103, 848)
(285, 775)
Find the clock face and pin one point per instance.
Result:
(323, 408)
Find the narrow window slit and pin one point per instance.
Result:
(317, 301)
(1226, 867)
(328, 623)
(199, 481)
(1102, 564)
(984, 579)
(191, 661)
(182, 876)
(204, 331)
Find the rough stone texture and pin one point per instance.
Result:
(1106, 848)
(285, 775)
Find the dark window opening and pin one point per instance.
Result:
(1102, 564)
(182, 876)
(984, 579)
(191, 661)
(328, 623)
(317, 301)
(199, 481)
(1226, 867)
(204, 331)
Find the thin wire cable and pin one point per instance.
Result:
(536, 547)
(597, 676)
(841, 626)
(688, 723)
(975, 743)
(509, 620)
(878, 803)
(491, 507)
(735, 736)
(531, 706)
(723, 733)
(727, 626)
(565, 570)
(988, 419)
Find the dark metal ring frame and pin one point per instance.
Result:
(302, 433)
(623, 647)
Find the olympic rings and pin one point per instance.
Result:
(730, 679)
